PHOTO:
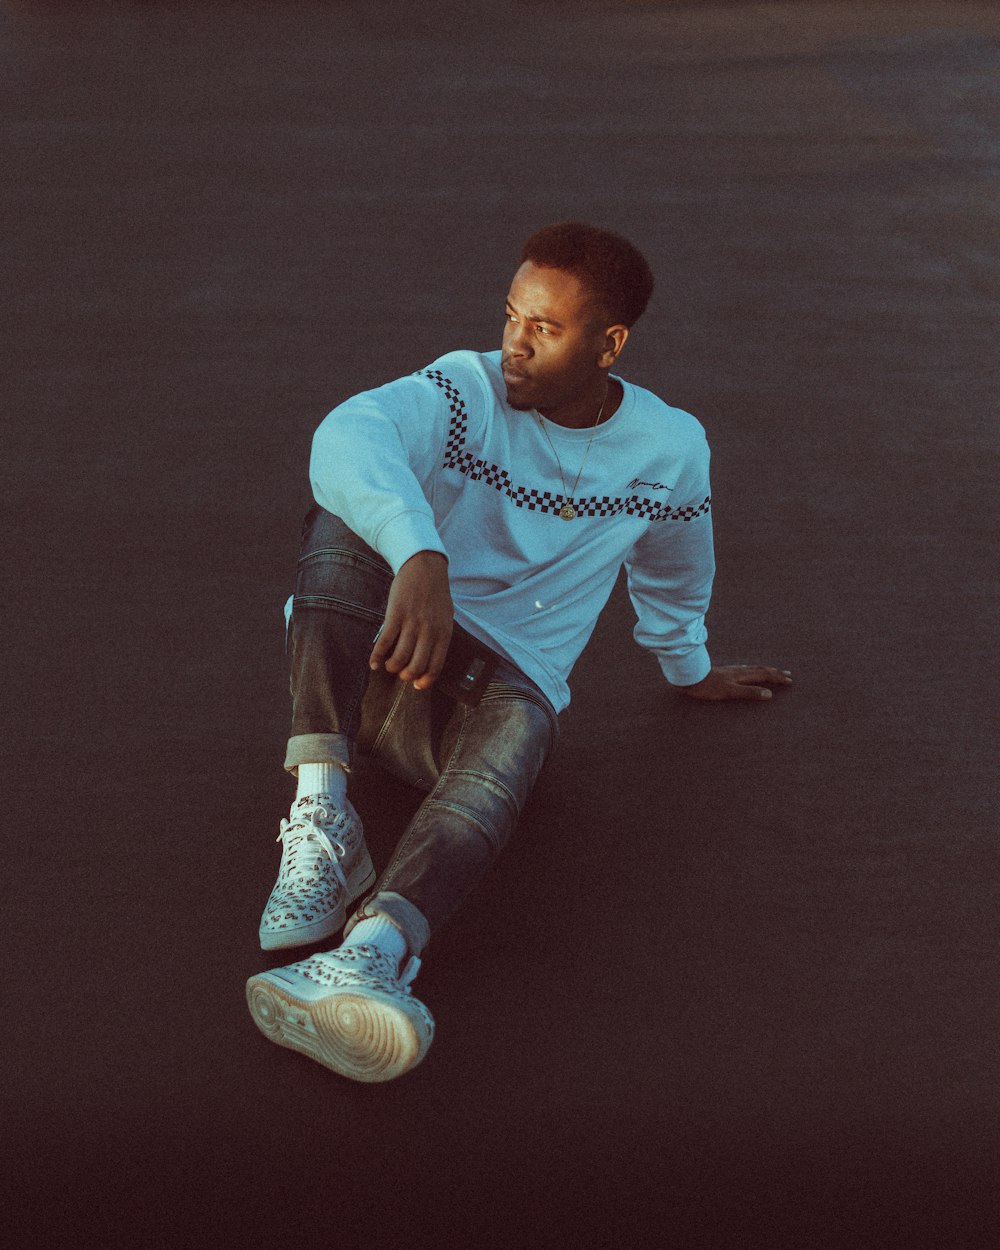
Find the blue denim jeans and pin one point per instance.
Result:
(477, 765)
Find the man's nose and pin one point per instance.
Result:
(515, 341)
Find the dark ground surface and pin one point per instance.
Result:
(737, 985)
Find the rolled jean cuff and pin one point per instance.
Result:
(408, 919)
(317, 749)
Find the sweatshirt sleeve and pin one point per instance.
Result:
(670, 571)
(373, 464)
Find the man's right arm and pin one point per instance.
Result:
(372, 464)
(414, 637)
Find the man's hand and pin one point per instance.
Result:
(738, 681)
(414, 637)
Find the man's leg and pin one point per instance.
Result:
(488, 758)
(351, 1009)
(340, 596)
(341, 591)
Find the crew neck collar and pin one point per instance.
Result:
(586, 432)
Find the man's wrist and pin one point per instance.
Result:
(405, 536)
(689, 670)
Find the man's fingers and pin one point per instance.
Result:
(776, 676)
(385, 642)
(433, 672)
(742, 688)
(393, 647)
(418, 620)
(411, 655)
(417, 662)
(402, 652)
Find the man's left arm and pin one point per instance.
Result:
(670, 572)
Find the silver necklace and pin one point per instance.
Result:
(567, 511)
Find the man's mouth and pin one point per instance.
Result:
(511, 374)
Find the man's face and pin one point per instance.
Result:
(552, 341)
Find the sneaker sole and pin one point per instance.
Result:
(359, 879)
(355, 1035)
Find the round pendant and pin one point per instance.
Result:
(567, 512)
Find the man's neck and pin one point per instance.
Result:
(583, 414)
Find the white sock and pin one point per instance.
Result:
(328, 779)
(378, 930)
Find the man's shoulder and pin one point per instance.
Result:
(466, 377)
(663, 419)
(464, 363)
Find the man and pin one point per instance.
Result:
(471, 521)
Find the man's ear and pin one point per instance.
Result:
(614, 341)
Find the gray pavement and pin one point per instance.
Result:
(735, 987)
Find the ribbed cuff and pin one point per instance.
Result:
(404, 536)
(686, 670)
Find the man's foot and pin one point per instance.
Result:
(325, 865)
(350, 1010)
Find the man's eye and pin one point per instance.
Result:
(543, 330)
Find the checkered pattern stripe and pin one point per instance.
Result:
(454, 457)
(541, 500)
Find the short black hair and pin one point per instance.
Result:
(614, 270)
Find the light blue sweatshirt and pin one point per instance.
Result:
(440, 462)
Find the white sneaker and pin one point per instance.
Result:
(349, 1009)
(325, 865)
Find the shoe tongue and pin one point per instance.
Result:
(409, 970)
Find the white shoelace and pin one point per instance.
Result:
(311, 831)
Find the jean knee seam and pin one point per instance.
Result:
(471, 818)
(343, 555)
(329, 603)
(474, 819)
(489, 782)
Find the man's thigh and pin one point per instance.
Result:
(496, 752)
(484, 757)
